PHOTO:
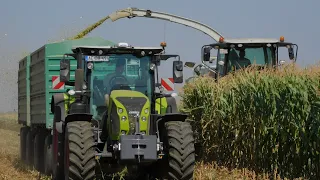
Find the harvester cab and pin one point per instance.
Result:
(115, 94)
(234, 54)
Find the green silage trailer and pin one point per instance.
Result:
(38, 80)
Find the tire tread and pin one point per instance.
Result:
(81, 150)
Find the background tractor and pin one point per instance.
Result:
(235, 54)
(114, 117)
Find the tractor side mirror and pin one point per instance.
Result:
(178, 71)
(64, 70)
(197, 70)
(291, 52)
(189, 64)
(206, 54)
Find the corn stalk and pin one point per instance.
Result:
(268, 121)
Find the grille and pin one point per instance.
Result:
(132, 105)
(132, 124)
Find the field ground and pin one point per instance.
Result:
(12, 168)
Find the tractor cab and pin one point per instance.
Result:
(121, 67)
(234, 54)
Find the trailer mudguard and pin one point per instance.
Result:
(166, 105)
(59, 107)
(172, 105)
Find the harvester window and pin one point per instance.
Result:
(243, 57)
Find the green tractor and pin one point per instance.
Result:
(114, 118)
(235, 54)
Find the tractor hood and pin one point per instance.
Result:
(125, 107)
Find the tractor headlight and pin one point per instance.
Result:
(123, 132)
(120, 110)
(90, 65)
(123, 118)
(146, 111)
(144, 118)
(152, 67)
(71, 92)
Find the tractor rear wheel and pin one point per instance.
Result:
(23, 143)
(180, 152)
(79, 151)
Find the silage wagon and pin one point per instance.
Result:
(38, 80)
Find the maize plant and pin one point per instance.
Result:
(265, 120)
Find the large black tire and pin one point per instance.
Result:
(80, 151)
(29, 148)
(38, 152)
(23, 143)
(47, 160)
(179, 147)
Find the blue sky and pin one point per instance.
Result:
(30, 24)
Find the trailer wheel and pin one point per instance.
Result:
(47, 155)
(179, 147)
(29, 149)
(23, 143)
(38, 152)
(79, 151)
(57, 154)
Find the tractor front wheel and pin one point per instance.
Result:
(79, 151)
(180, 152)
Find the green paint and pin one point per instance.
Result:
(124, 124)
(161, 105)
(67, 101)
(145, 113)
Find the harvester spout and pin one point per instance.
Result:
(135, 12)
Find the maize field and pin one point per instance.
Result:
(268, 121)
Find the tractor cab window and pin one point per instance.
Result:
(119, 72)
(243, 57)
